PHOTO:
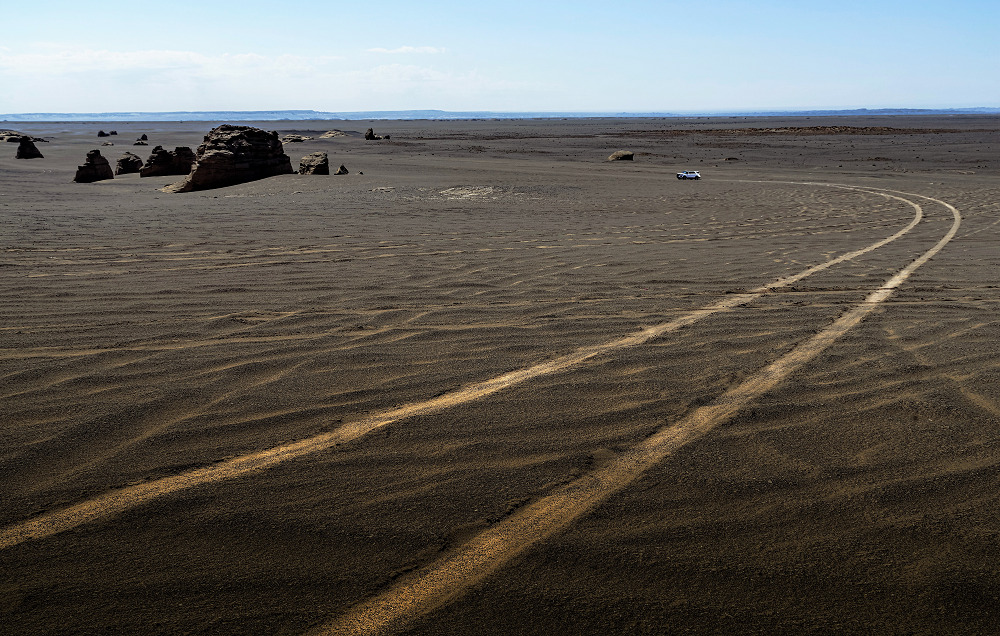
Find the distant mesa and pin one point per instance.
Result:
(95, 168)
(315, 163)
(128, 164)
(235, 154)
(622, 155)
(26, 149)
(342, 170)
(294, 139)
(163, 163)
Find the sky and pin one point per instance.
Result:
(583, 56)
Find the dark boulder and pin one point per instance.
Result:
(95, 168)
(235, 154)
(164, 163)
(316, 163)
(371, 136)
(26, 150)
(128, 164)
(143, 137)
(101, 133)
(341, 170)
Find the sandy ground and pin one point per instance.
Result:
(155, 348)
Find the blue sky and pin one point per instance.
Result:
(629, 55)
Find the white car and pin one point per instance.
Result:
(689, 174)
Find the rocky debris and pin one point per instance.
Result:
(101, 133)
(112, 132)
(163, 162)
(316, 163)
(140, 143)
(622, 155)
(342, 170)
(108, 143)
(333, 133)
(294, 139)
(95, 168)
(371, 136)
(26, 149)
(235, 154)
(143, 137)
(128, 164)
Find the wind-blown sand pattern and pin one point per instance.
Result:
(487, 319)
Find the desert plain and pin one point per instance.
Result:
(489, 382)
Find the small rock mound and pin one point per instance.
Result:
(341, 170)
(101, 133)
(163, 162)
(95, 168)
(26, 150)
(128, 164)
(622, 155)
(235, 154)
(294, 139)
(316, 163)
(140, 142)
(371, 136)
(330, 134)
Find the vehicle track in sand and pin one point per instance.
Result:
(448, 578)
(116, 501)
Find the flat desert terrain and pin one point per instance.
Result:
(491, 383)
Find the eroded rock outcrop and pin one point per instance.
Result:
(95, 168)
(371, 136)
(316, 163)
(15, 137)
(622, 155)
(342, 170)
(128, 164)
(162, 162)
(294, 139)
(26, 150)
(235, 154)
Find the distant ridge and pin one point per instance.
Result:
(304, 115)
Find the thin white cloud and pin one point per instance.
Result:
(409, 49)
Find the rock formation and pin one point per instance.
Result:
(342, 170)
(15, 137)
(235, 154)
(294, 139)
(101, 133)
(163, 162)
(140, 142)
(370, 135)
(128, 164)
(330, 134)
(316, 163)
(622, 155)
(95, 168)
(26, 150)
(143, 137)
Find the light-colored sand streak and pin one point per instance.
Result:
(120, 500)
(450, 577)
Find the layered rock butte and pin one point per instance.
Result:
(235, 154)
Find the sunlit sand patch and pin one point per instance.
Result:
(467, 192)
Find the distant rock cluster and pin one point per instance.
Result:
(371, 136)
(95, 168)
(235, 154)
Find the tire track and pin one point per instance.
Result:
(117, 501)
(450, 577)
